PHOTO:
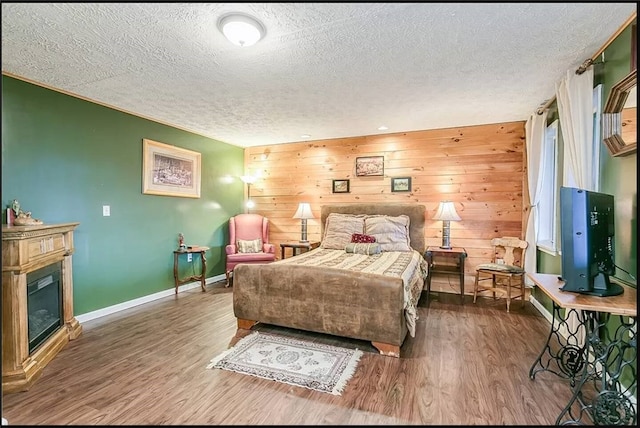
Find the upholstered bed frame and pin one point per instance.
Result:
(363, 306)
(415, 212)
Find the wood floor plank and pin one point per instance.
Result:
(467, 365)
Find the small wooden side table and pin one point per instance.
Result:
(190, 250)
(458, 254)
(297, 247)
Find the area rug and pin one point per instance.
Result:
(316, 366)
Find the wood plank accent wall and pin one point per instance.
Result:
(480, 168)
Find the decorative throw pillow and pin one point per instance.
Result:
(251, 246)
(362, 238)
(392, 233)
(363, 248)
(339, 228)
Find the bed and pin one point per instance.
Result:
(361, 290)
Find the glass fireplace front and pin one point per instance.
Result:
(44, 303)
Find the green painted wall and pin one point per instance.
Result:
(618, 175)
(64, 158)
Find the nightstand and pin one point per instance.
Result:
(203, 265)
(437, 257)
(297, 247)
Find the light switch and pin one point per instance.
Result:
(106, 210)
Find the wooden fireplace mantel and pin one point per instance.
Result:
(24, 250)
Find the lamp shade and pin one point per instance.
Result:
(242, 30)
(447, 212)
(304, 211)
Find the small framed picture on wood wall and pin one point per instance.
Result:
(401, 184)
(369, 166)
(340, 186)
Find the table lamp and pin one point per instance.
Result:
(304, 213)
(446, 213)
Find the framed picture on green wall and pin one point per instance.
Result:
(169, 170)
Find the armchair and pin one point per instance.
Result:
(244, 232)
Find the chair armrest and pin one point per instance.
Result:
(230, 249)
(268, 248)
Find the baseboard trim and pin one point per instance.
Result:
(144, 299)
(545, 313)
(562, 330)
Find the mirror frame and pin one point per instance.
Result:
(612, 117)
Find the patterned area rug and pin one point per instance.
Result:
(316, 366)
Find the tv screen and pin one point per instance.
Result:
(587, 240)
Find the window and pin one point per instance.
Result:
(547, 207)
(546, 239)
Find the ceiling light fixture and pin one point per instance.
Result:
(241, 29)
(382, 128)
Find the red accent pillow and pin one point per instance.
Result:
(361, 238)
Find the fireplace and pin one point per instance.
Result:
(44, 304)
(37, 300)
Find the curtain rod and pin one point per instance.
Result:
(545, 106)
(590, 61)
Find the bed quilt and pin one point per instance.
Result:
(411, 267)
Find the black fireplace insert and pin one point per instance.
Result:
(44, 304)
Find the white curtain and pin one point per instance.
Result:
(534, 134)
(574, 96)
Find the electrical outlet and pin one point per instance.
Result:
(189, 257)
(106, 210)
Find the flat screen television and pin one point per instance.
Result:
(587, 240)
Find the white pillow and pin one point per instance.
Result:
(339, 228)
(392, 233)
(251, 246)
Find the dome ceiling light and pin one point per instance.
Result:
(241, 29)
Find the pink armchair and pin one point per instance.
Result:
(248, 227)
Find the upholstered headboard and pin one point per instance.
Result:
(416, 213)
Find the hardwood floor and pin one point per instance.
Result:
(467, 365)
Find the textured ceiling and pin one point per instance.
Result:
(328, 70)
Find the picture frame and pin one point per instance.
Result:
(401, 184)
(170, 171)
(634, 47)
(367, 166)
(340, 186)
